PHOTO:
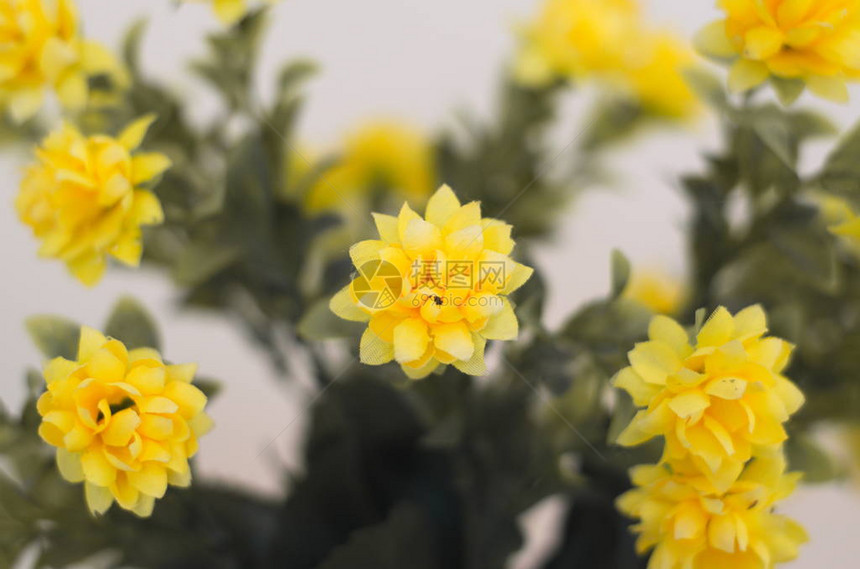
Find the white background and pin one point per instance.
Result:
(417, 60)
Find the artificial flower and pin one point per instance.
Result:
(434, 289)
(691, 525)
(608, 41)
(378, 155)
(813, 41)
(85, 198)
(41, 48)
(714, 400)
(658, 291)
(124, 423)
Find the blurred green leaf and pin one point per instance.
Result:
(132, 324)
(320, 323)
(54, 336)
(620, 273)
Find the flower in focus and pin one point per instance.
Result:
(40, 48)
(814, 42)
(657, 291)
(715, 400)
(123, 422)
(231, 11)
(691, 526)
(433, 290)
(607, 40)
(84, 198)
(378, 155)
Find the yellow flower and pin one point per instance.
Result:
(123, 422)
(714, 401)
(576, 38)
(608, 41)
(433, 290)
(655, 78)
(387, 155)
(84, 198)
(657, 291)
(816, 41)
(231, 11)
(42, 48)
(691, 526)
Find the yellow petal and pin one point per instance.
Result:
(664, 329)
(230, 11)
(373, 350)
(518, 277)
(91, 341)
(150, 480)
(641, 391)
(441, 206)
(718, 329)
(750, 322)
(73, 91)
(386, 225)
(147, 166)
(105, 366)
(689, 404)
(422, 372)
(99, 498)
(121, 428)
(24, 104)
(421, 238)
(411, 339)
(190, 399)
(365, 251)
(475, 365)
(503, 325)
(727, 388)
(58, 369)
(182, 372)
(721, 533)
(97, 469)
(654, 361)
(454, 339)
(88, 269)
(343, 305)
(145, 505)
(746, 74)
(146, 209)
(69, 465)
(133, 135)
(763, 42)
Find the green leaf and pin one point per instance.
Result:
(806, 455)
(54, 336)
(708, 87)
(788, 90)
(210, 387)
(841, 172)
(620, 273)
(131, 324)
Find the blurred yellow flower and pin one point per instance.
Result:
(384, 155)
(231, 11)
(817, 42)
(691, 526)
(433, 289)
(84, 198)
(123, 422)
(658, 291)
(607, 40)
(42, 48)
(715, 400)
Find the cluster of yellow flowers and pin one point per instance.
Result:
(720, 404)
(84, 198)
(123, 422)
(380, 154)
(41, 48)
(433, 290)
(607, 40)
(815, 41)
(230, 11)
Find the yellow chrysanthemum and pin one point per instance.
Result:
(656, 290)
(607, 40)
(690, 525)
(433, 289)
(84, 199)
(40, 48)
(231, 11)
(382, 154)
(716, 400)
(816, 41)
(123, 422)
(577, 38)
